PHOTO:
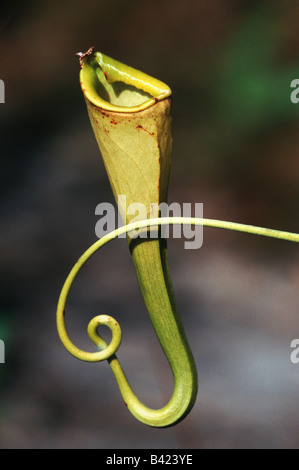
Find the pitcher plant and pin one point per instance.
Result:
(130, 114)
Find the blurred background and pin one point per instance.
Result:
(236, 149)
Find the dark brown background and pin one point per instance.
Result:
(236, 144)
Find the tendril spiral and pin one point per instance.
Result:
(185, 379)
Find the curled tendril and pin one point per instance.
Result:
(162, 417)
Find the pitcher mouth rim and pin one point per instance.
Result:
(129, 76)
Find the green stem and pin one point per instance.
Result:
(150, 260)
